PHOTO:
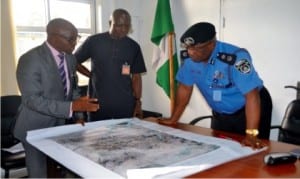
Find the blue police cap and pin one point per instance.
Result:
(198, 33)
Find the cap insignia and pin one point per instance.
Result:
(189, 41)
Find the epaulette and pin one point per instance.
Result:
(241, 50)
(183, 54)
(227, 58)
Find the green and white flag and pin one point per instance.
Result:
(163, 26)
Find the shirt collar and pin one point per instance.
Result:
(214, 53)
(53, 50)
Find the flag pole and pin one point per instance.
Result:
(171, 73)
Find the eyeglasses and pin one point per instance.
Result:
(71, 39)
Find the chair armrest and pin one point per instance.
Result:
(194, 121)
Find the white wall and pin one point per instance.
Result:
(267, 28)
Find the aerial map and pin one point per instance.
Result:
(128, 145)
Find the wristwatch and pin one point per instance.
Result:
(252, 132)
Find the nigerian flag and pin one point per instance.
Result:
(165, 48)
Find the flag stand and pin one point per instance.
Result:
(171, 73)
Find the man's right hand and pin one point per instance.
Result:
(167, 121)
(85, 104)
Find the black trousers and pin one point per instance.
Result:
(236, 122)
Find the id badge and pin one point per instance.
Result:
(126, 69)
(217, 95)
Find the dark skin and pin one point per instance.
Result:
(120, 26)
(201, 53)
(62, 35)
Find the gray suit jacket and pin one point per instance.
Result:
(43, 101)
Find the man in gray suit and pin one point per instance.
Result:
(48, 97)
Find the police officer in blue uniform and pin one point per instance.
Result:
(225, 76)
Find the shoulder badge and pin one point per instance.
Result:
(227, 58)
(243, 66)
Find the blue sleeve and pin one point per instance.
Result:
(184, 73)
(244, 75)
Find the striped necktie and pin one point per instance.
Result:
(62, 72)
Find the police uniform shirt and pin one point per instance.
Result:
(224, 80)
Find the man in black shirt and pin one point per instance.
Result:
(116, 66)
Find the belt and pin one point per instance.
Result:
(224, 115)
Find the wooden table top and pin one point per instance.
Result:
(252, 166)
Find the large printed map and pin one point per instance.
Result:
(132, 148)
(127, 145)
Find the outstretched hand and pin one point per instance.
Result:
(167, 121)
(85, 104)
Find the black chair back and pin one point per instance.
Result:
(290, 126)
(9, 110)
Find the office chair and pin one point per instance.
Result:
(265, 124)
(9, 108)
(289, 131)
